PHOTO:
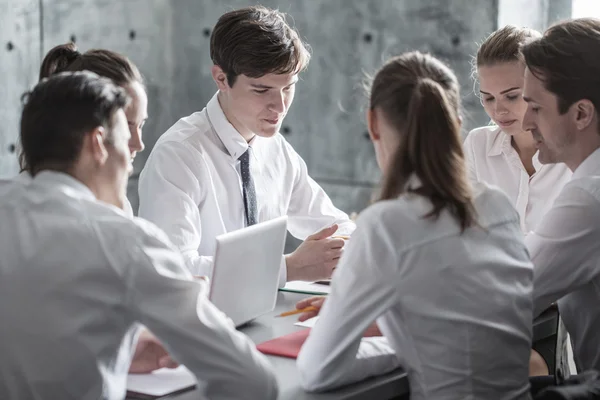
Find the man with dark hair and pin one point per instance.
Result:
(78, 277)
(227, 166)
(562, 89)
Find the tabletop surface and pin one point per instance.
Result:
(386, 386)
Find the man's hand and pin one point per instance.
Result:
(150, 355)
(316, 257)
(317, 302)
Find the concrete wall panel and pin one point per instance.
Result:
(19, 62)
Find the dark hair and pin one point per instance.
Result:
(504, 45)
(567, 60)
(419, 96)
(255, 41)
(105, 63)
(60, 111)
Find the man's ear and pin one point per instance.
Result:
(584, 113)
(372, 125)
(220, 78)
(95, 144)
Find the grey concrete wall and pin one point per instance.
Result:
(141, 29)
(169, 41)
(19, 64)
(540, 13)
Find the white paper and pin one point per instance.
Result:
(161, 382)
(309, 323)
(307, 287)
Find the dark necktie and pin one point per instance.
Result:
(248, 188)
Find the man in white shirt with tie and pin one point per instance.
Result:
(78, 276)
(562, 89)
(227, 166)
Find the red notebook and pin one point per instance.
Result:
(285, 346)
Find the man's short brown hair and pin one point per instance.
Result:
(567, 60)
(255, 41)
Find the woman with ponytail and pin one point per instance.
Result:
(108, 64)
(437, 270)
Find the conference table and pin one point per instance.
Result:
(393, 385)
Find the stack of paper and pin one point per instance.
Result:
(306, 287)
(160, 383)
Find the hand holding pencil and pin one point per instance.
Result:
(298, 311)
(309, 307)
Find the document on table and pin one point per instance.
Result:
(160, 383)
(307, 287)
(309, 323)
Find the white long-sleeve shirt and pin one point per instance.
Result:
(456, 308)
(191, 186)
(492, 159)
(77, 277)
(565, 250)
(24, 178)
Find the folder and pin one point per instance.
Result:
(285, 346)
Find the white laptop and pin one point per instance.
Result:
(246, 268)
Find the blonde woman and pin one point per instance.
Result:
(503, 154)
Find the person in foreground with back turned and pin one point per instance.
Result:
(77, 275)
(439, 264)
(149, 354)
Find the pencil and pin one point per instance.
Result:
(298, 311)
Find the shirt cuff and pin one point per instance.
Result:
(282, 272)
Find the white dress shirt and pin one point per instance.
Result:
(77, 277)
(565, 250)
(25, 178)
(7, 184)
(456, 308)
(492, 159)
(191, 186)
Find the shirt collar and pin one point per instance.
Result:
(23, 177)
(589, 167)
(500, 144)
(537, 165)
(413, 183)
(65, 183)
(233, 141)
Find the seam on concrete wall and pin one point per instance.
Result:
(41, 14)
(496, 12)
